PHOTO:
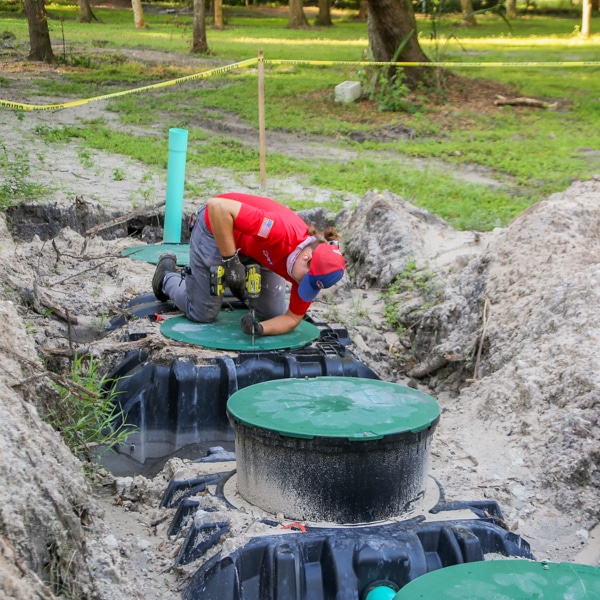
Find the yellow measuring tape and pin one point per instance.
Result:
(252, 61)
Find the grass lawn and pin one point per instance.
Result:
(532, 151)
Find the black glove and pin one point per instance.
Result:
(235, 276)
(251, 325)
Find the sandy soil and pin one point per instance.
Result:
(519, 425)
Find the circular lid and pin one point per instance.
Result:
(225, 334)
(506, 580)
(152, 252)
(338, 407)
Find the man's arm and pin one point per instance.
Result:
(222, 213)
(281, 324)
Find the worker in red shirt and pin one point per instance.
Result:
(235, 229)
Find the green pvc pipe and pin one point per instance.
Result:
(381, 592)
(175, 180)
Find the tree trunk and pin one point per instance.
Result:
(324, 17)
(390, 24)
(511, 8)
(86, 14)
(363, 9)
(39, 35)
(586, 18)
(467, 13)
(297, 16)
(218, 14)
(199, 44)
(138, 14)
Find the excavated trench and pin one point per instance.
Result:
(45, 221)
(182, 403)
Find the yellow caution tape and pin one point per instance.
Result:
(580, 63)
(253, 61)
(204, 74)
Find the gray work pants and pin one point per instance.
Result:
(191, 294)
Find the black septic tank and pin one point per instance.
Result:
(338, 449)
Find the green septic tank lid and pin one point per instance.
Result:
(151, 253)
(334, 407)
(225, 334)
(506, 580)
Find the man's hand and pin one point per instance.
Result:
(251, 326)
(235, 276)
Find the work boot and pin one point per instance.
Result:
(167, 263)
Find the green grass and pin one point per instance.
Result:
(534, 152)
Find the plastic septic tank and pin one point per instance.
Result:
(349, 563)
(337, 449)
(177, 403)
(506, 580)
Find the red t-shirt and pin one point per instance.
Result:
(268, 232)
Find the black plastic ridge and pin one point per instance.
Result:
(341, 563)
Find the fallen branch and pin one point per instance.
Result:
(428, 366)
(63, 315)
(502, 101)
(124, 218)
(33, 298)
(78, 273)
(485, 319)
(74, 387)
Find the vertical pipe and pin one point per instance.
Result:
(261, 121)
(175, 182)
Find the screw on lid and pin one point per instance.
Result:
(338, 407)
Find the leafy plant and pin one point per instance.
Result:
(387, 87)
(16, 187)
(84, 413)
(410, 283)
(85, 158)
(118, 174)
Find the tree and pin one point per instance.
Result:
(391, 24)
(218, 22)
(324, 16)
(138, 14)
(511, 8)
(199, 43)
(86, 14)
(468, 17)
(363, 9)
(39, 35)
(297, 17)
(586, 18)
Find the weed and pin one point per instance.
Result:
(410, 283)
(331, 313)
(83, 413)
(31, 329)
(146, 177)
(388, 90)
(359, 314)
(85, 158)
(16, 186)
(118, 174)
(101, 321)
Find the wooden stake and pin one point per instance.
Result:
(261, 121)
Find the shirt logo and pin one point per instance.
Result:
(267, 257)
(265, 228)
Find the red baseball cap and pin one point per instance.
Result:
(327, 266)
